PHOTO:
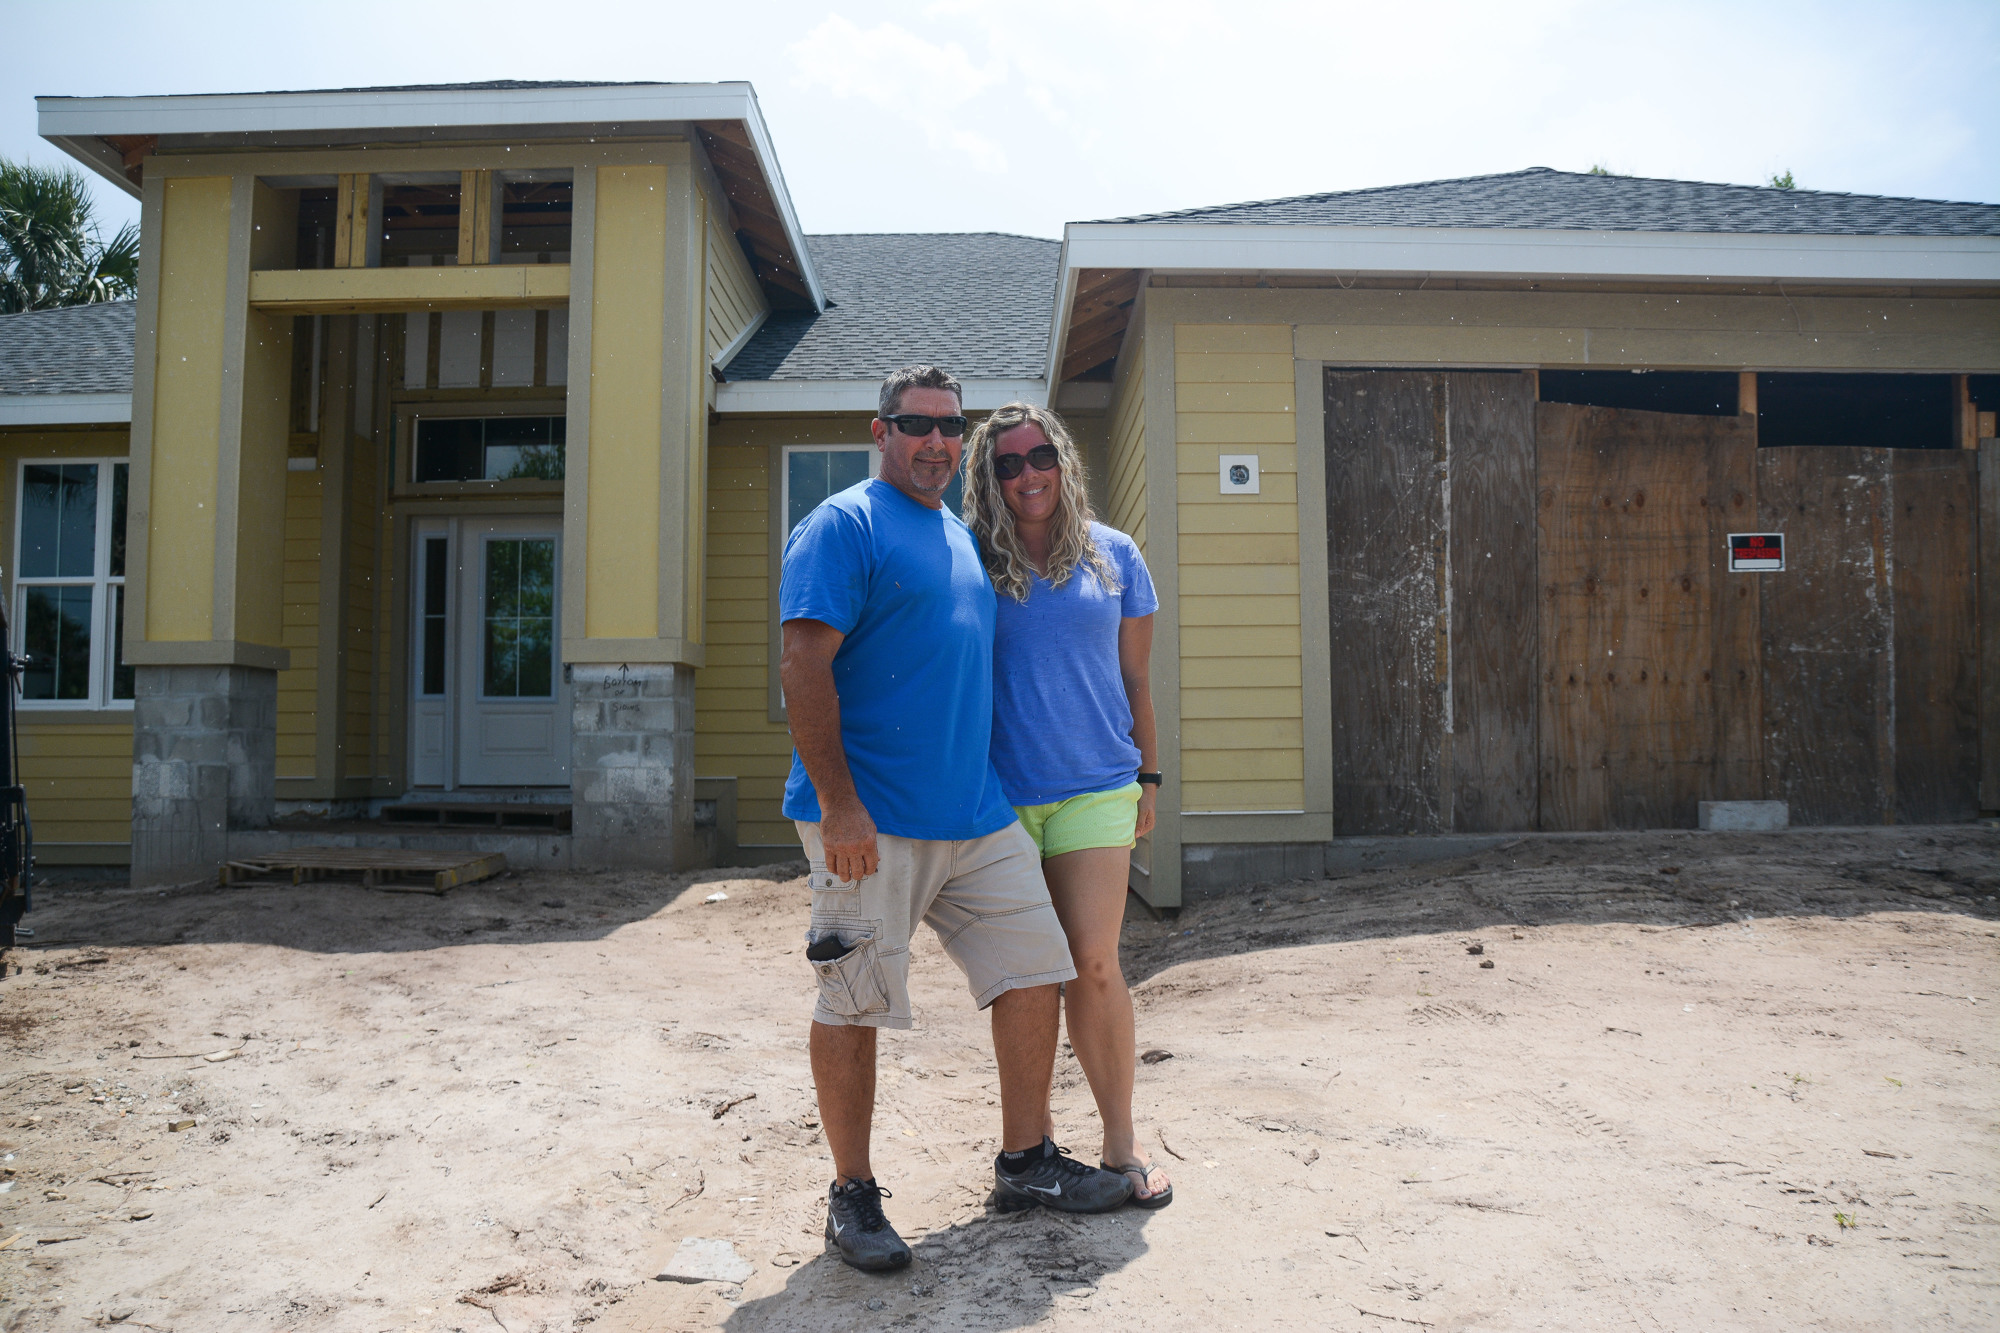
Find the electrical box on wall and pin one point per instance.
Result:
(1239, 474)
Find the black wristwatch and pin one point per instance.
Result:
(1153, 778)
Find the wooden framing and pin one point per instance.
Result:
(479, 217)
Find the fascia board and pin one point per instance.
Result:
(78, 125)
(338, 109)
(1503, 253)
(1059, 317)
(746, 396)
(65, 409)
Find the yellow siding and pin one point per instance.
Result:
(734, 734)
(363, 528)
(1242, 708)
(79, 779)
(77, 769)
(734, 298)
(298, 688)
(1125, 488)
(187, 410)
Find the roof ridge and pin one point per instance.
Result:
(1364, 191)
(894, 235)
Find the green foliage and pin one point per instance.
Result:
(52, 252)
(1600, 169)
(1784, 181)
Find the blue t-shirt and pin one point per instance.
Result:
(1062, 725)
(903, 582)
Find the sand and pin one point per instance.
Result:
(1707, 1082)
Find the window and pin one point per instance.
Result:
(69, 584)
(436, 589)
(518, 620)
(1706, 393)
(489, 448)
(1868, 411)
(812, 472)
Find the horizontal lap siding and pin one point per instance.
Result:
(298, 688)
(1125, 489)
(734, 299)
(734, 734)
(78, 777)
(360, 758)
(1241, 702)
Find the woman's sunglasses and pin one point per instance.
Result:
(1008, 466)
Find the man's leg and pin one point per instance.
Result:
(843, 1065)
(1024, 1047)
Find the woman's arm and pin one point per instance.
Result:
(1135, 654)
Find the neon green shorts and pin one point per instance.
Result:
(1095, 819)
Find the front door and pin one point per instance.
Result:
(489, 707)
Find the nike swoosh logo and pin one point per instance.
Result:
(1053, 1191)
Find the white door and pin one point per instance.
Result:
(489, 707)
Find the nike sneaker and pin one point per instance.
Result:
(856, 1227)
(1053, 1179)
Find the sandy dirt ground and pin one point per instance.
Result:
(1691, 1082)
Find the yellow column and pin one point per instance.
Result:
(210, 427)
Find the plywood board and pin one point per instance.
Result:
(1385, 446)
(1827, 634)
(1932, 553)
(1650, 678)
(1491, 641)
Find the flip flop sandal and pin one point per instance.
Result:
(1145, 1173)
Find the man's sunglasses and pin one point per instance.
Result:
(911, 424)
(1008, 466)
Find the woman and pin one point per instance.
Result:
(1072, 726)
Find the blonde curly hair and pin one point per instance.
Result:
(986, 512)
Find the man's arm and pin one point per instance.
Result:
(805, 672)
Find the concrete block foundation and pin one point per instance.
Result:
(204, 761)
(632, 797)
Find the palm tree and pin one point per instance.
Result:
(51, 250)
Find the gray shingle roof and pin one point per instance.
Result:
(77, 349)
(978, 304)
(1544, 199)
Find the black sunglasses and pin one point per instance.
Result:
(911, 424)
(1008, 466)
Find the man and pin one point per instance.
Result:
(888, 676)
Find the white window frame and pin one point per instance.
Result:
(785, 453)
(103, 600)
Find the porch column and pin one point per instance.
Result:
(633, 511)
(205, 537)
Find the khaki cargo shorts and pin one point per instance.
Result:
(985, 898)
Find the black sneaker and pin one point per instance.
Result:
(856, 1227)
(1054, 1179)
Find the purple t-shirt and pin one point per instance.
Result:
(1062, 725)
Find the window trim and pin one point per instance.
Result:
(406, 414)
(102, 583)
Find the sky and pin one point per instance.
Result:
(963, 115)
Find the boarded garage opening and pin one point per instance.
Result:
(1533, 624)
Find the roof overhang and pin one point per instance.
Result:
(113, 135)
(774, 396)
(65, 409)
(1519, 255)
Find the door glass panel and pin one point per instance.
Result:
(437, 579)
(57, 639)
(59, 520)
(518, 619)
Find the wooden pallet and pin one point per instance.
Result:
(379, 867)
(493, 814)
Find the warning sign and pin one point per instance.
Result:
(1751, 552)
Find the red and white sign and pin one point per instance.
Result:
(1754, 552)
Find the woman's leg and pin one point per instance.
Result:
(1088, 889)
